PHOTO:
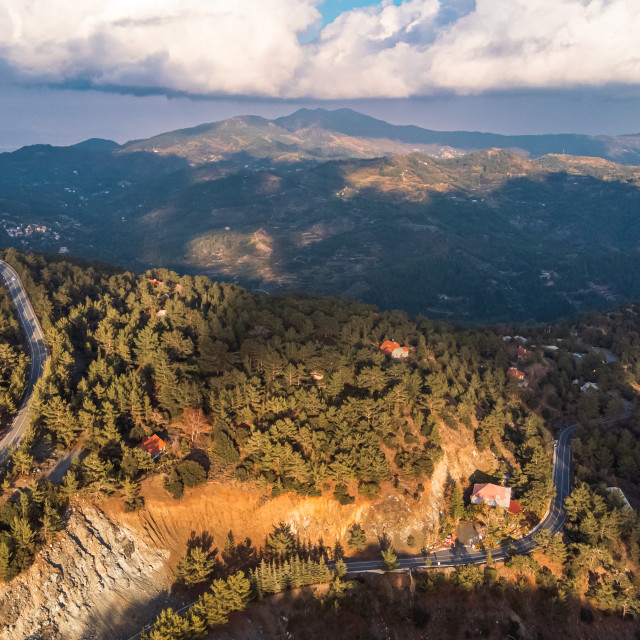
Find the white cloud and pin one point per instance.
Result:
(200, 46)
(252, 47)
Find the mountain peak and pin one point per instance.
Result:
(96, 143)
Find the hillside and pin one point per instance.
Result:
(488, 236)
(291, 439)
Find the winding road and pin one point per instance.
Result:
(37, 350)
(553, 521)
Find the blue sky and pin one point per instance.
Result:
(70, 70)
(331, 9)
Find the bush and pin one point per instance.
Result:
(191, 473)
(173, 484)
(134, 505)
(368, 489)
(186, 474)
(242, 473)
(341, 495)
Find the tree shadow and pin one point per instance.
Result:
(203, 540)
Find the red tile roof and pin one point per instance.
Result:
(153, 445)
(514, 508)
(388, 346)
(515, 373)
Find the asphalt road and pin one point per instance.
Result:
(37, 351)
(553, 521)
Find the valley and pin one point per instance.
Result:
(489, 236)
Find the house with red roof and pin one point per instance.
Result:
(154, 445)
(492, 494)
(523, 353)
(393, 349)
(514, 372)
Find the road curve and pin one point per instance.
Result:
(37, 350)
(553, 521)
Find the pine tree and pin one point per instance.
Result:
(23, 533)
(256, 584)
(7, 570)
(197, 626)
(50, 521)
(168, 626)
(357, 538)
(195, 567)
(239, 591)
(280, 541)
(389, 559)
(22, 461)
(297, 577)
(457, 503)
(69, 484)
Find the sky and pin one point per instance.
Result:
(124, 69)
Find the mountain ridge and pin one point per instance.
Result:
(321, 134)
(355, 125)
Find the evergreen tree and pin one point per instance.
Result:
(50, 521)
(195, 567)
(357, 538)
(389, 559)
(168, 626)
(457, 503)
(7, 569)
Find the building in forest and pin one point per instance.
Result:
(393, 349)
(514, 372)
(492, 494)
(154, 445)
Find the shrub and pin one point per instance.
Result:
(191, 473)
(341, 495)
(368, 489)
(173, 484)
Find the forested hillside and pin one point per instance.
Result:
(290, 392)
(14, 363)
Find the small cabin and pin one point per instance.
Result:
(514, 372)
(154, 445)
(393, 349)
(523, 353)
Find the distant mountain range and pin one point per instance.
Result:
(307, 202)
(321, 134)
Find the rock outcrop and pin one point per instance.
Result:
(84, 582)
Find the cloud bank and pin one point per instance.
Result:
(255, 47)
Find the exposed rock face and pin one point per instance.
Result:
(109, 572)
(80, 586)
